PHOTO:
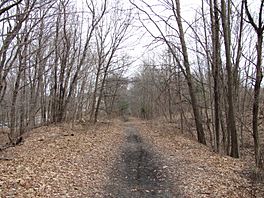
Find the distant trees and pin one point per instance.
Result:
(110, 34)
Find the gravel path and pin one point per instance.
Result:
(138, 172)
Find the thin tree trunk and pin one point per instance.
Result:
(259, 29)
(195, 107)
(215, 68)
(231, 113)
(255, 111)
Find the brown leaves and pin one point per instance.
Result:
(54, 163)
(194, 169)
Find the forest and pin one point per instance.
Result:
(66, 61)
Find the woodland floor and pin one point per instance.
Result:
(116, 159)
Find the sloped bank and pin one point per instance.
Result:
(201, 172)
(61, 162)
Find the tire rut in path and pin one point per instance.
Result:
(139, 172)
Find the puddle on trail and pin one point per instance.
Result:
(139, 173)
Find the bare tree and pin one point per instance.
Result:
(175, 8)
(18, 18)
(215, 66)
(259, 29)
(225, 16)
(109, 37)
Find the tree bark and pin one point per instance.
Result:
(231, 114)
(259, 29)
(215, 68)
(196, 112)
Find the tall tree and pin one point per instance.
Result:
(175, 8)
(197, 115)
(214, 12)
(225, 16)
(259, 29)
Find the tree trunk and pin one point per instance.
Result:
(196, 112)
(231, 115)
(259, 29)
(215, 68)
(255, 111)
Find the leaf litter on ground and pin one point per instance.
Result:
(196, 170)
(60, 162)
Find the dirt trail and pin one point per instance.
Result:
(138, 172)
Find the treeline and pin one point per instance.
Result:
(209, 74)
(59, 59)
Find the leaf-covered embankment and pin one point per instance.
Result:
(197, 171)
(60, 162)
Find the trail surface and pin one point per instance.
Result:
(138, 172)
(136, 159)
